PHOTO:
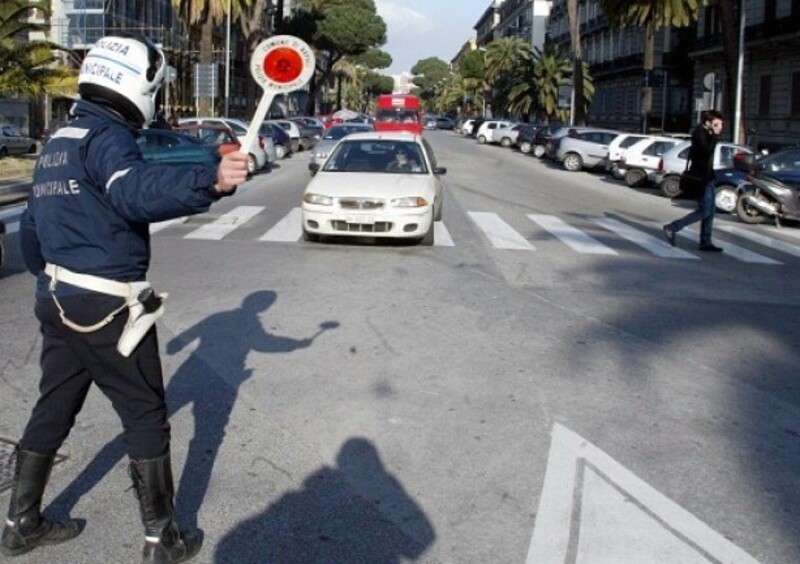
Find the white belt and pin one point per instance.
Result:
(86, 281)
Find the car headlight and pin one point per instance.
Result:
(317, 199)
(410, 202)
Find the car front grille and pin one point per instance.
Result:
(360, 204)
(377, 227)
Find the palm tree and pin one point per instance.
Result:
(652, 15)
(550, 72)
(29, 68)
(504, 57)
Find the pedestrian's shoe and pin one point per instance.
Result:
(710, 248)
(25, 527)
(669, 234)
(153, 485)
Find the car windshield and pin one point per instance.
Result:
(339, 132)
(782, 160)
(377, 155)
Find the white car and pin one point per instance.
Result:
(485, 133)
(506, 136)
(466, 127)
(262, 150)
(365, 189)
(619, 146)
(13, 142)
(643, 157)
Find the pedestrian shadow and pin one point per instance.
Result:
(224, 341)
(353, 513)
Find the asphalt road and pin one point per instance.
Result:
(550, 382)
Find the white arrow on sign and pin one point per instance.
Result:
(594, 510)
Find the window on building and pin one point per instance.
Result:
(796, 94)
(770, 8)
(795, 8)
(764, 94)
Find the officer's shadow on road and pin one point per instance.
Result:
(353, 512)
(224, 341)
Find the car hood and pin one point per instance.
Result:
(371, 184)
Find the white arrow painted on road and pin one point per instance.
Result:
(595, 511)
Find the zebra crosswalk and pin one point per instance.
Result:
(589, 235)
(501, 235)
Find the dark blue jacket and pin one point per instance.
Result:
(93, 197)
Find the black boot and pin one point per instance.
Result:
(164, 543)
(26, 528)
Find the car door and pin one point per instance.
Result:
(12, 139)
(651, 155)
(594, 147)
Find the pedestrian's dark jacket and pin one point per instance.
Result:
(701, 153)
(93, 197)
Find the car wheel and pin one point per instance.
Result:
(635, 177)
(310, 237)
(32, 149)
(573, 162)
(525, 148)
(538, 151)
(295, 146)
(670, 186)
(280, 151)
(726, 198)
(481, 139)
(251, 164)
(505, 142)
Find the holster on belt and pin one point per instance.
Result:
(144, 305)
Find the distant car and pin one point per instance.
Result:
(466, 127)
(525, 136)
(13, 142)
(293, 130)
(429, 122)
(310, 131)
(166, 146)
(280, 138)
(673, 163)
(444, 122)
(485, 132)
(542, 139)
(617, 149)
(507, 136)
(582, 147)
(332, 137)
(359, 192)
(221, 136)
(261, 151)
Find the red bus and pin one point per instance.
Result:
(398, 112)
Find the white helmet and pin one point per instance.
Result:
(124, 72)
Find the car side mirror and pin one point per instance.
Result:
(439, 170)
(314, 168)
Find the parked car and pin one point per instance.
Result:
(668, 175)
(281, 139)
(466, 127)
(357, 192)
(310, 131)
(525, 137)
(262, 150)
(444, 122)
(581, 147)
(167, 146)
(429, 122)
(292, 129)
(618, 147)
(332, 137)
(221, 136)
(506, 136)
(542, 139)
(13, 142)
(476, 125)
(643, 157)
(485, 131)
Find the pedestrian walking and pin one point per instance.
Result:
(701, 166)
(85, 236)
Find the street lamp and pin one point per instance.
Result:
(228, 59)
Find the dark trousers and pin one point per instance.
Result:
(706, 206)
(72, 361)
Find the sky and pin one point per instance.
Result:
(418, 29)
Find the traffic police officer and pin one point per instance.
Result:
(85, 236)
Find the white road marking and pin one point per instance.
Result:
(288, 229)
(158, 226)
(571, 236)
(594, 510)
(730, 249)
(770, 242)
(656, 246)
(441, 236)
(500, 233)
(225, 223)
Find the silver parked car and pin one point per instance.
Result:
(13, 142)
(582, 148)
(262, 150)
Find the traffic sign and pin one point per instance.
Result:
(279, 65)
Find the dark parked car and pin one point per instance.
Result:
(310, 131)
(280, 138)
(541, 139)
(444, 122)
(165, 146)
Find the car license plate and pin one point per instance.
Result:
(360, 219)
